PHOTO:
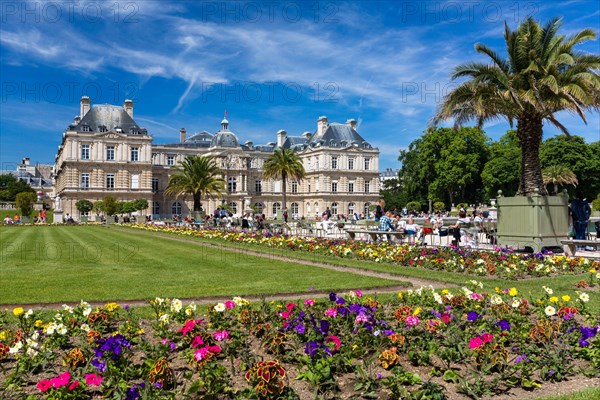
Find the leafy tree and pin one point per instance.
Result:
(141, 204)
(98, 206)
(24, 202)
(502, 170)
(284, 163)
(578, 156)
(559, 175)
(10, 186)
(392, 194)
(414, 206)
(198, 176)
(439, 206)
(542, 75)
(128, 207)
(84, 206)
(110, 205)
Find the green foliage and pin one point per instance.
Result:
(596, 204)
(141, 204)
(98, 206)
(128, 207)
(285, 164)
(10, 186)
(439, 206)
(502, 170)
(462, 205)
(393, 194)
(84, 206)
(24, 202)
(110, 205)
(414, 205)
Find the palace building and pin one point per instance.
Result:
(105, 152)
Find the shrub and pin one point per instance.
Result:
(413, 205)
(439, 206)
(596, 204)
(84, 206)
(24, 202)
(462, 205)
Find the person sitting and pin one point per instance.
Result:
(427, 230)
(411, 230)
(8, 220)
(17, 219)
(385, 224)
(462, 222)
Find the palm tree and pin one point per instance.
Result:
(542, 75)
(559, 175)
(284, 163)
(198, 176)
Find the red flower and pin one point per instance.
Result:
(44, 385)
(74, 385)
(335, 340)
(446, 318)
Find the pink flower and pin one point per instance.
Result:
(475, 342)
(201, 353)
(221, 335)
(74, 385)
(214, 349)
(189, 326)
(358, 293)
(93, 379)
(412, 320)
(487, 337)
(360, 318)
(335, 340)
(309, 302)
(44, 385)
(446, 318)
(331, 312)
(229, 304)
(476, 296)
(290, 306)
(284, 314)
(197, 342)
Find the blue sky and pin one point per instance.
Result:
(272, 65)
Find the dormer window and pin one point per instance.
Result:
(85, 128)
(133, 131)
(102, 128)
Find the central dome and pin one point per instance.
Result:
(225, 139)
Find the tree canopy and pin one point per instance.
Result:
(284, 164)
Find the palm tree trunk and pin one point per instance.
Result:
(197, 202)
(529, 131)
(283, 190)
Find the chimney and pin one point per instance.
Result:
(352, 123)
(249, 144)
(182, 135)
(322, 124)
(281, 137)
(76, 120)
(84, 106)
(128, 106)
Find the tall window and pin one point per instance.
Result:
(294, 187)
(351, 163)
(170, 160)
(110, 181)
(231, 184)
(350, 208)
(316, 185)
(366, 210)
(334, 208)
(294, 209)
(276, 206)
(85, 180)
(367, 164)
(155, 185)
(176, 208)
(350, 187)
(85, 151)
(233, 206)
(135, 181)
(155, 208)
(110, 153)
(367, 187)
(135, 154)
(334, 187)
(334, 161)
(258, 186)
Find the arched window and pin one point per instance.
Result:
(316, 208)
(307, 208)
(334, 208)
(294, 208)
(233, 206)
(176, 208)
(276, 206)
(350, 208)
(366, 210)
(258, 206)
(155, 208)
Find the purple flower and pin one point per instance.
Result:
(522, 357)
(311, 348)
(100, 365)
(503, 324)
(587, 333)
(472, 316)
(300, 328)
(332, 296)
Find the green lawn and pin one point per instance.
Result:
(95, 263)
(564, 284)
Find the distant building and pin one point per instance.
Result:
(38, 176)
(388, 174)
(105, 152)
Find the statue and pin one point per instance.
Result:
(57, 203)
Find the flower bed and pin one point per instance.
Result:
(459, 344)
(501, 262)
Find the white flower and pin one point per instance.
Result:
(31, 343)
(61, 329)
(85, 327)
(466, 291)
(31, 352)
(516, 303)
(219, 307)
(548, 290)
(28, 314)
(438, 298)
(496, 300)
(584, 297)
(35, 335)
(15, 349)
(550, 311)
(67, 308)
(50, 328)
(176, 305)
(164, 319)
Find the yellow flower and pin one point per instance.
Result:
(497, 289)
(592, 271)
(18, 311)
(553, 299)
(512, 292)
(445, 292)
(417, 311)
(111, 306)
(566, 298)
(39, 323)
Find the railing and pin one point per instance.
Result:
(6, 205)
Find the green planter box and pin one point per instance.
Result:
(537, 221)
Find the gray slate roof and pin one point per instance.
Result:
(111, 117)
(339, 135)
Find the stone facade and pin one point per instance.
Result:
(104, 152)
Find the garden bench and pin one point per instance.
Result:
(572, 244)
(375, 234)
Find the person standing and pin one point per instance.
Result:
(379, 210)
(580, 212)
